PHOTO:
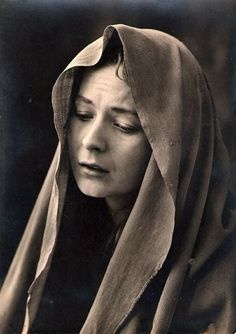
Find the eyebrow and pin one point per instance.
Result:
(117, 110)
(84, 99)
(124, 111)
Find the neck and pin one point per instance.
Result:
(120, 207)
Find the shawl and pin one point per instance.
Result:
(180, 221)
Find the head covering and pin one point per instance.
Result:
(179, 228)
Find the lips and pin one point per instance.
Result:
(93, 167)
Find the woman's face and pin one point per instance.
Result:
(108, 149)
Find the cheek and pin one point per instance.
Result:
(73, 146)
(74, 137)
(133, 161)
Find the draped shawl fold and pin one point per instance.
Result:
(179, 219)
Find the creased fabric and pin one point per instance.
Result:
(178, 239)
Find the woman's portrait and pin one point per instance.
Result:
(132, 230)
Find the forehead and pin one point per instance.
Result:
(105, 83)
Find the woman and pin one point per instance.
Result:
(138, 188)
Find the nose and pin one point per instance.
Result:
(95, 137)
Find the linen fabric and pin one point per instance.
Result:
(173, 268)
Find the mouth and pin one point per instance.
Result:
(93, 168)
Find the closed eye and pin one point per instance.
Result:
(126, 128)
(84, 115)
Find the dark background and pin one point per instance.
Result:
(38, 38)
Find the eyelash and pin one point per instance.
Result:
(84, 117)
(125, 129)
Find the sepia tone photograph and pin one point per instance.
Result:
(117, 173)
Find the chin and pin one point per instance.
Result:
(92, 191)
